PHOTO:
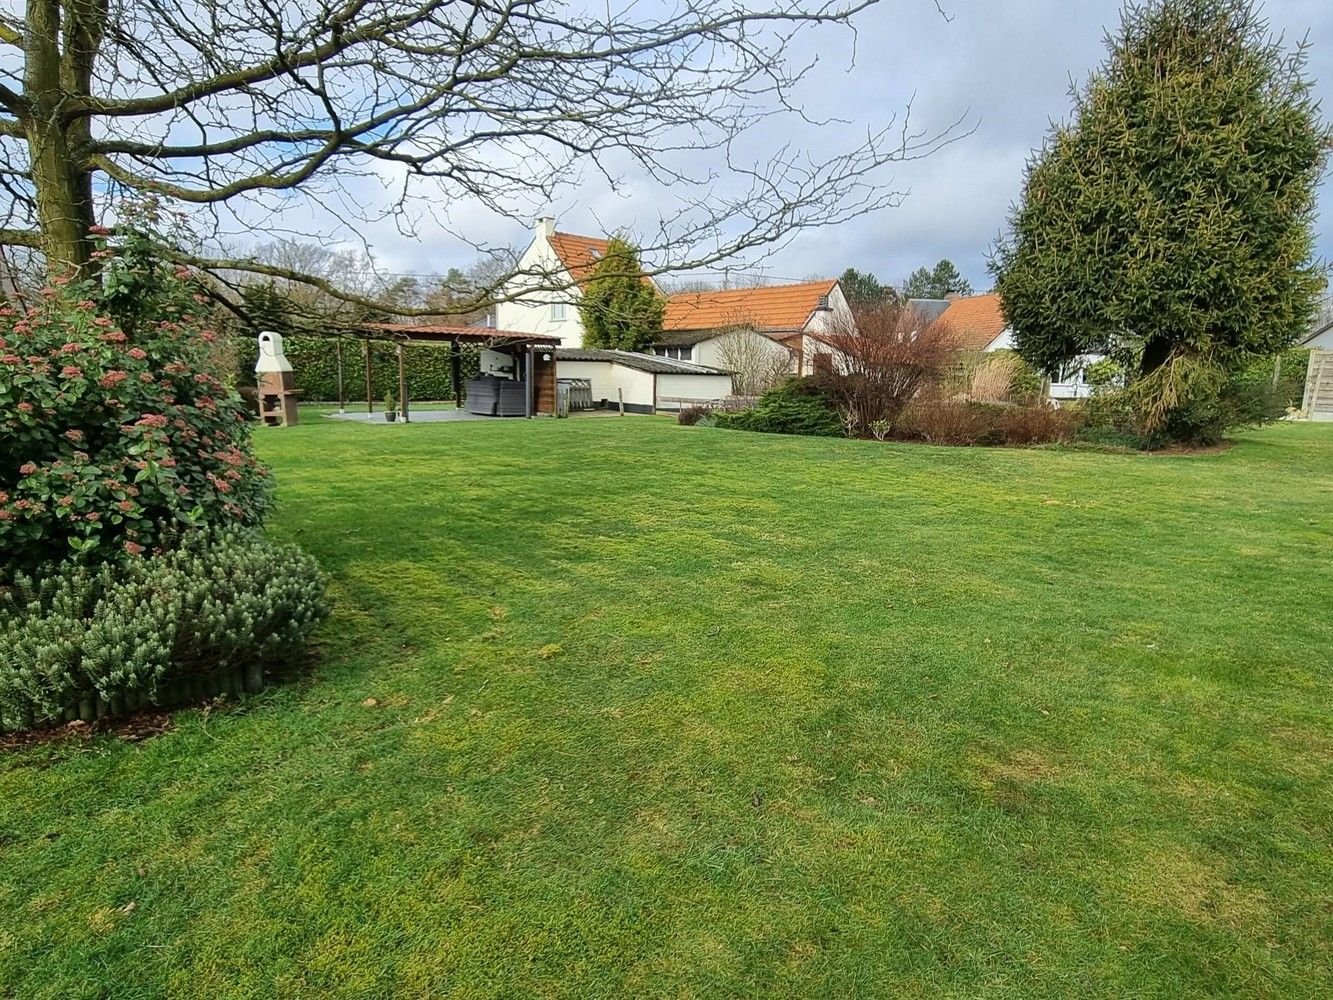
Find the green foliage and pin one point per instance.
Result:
(864, 289)
(785, 660)
(1176, 210)
(941, 282)
(1104, 374)
(222, 598)
(117, 436)
(620, 309)
(798, 406)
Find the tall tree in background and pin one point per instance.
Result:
(1174, 212)
(941, 282)
(244, 110)
(863, 289)
(620, 308)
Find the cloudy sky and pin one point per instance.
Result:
(1004, 66)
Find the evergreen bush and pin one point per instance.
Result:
(122, 631)
(798, 406)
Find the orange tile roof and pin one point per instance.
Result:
(778, 307)
(976, 320)
(579, 254)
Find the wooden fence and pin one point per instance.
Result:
(1318, 404)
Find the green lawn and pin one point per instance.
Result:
(665, 711)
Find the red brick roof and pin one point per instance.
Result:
(779, 307)
(976, 321)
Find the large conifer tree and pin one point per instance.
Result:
(1173, 214)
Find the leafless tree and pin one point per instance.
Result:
(890, 357)
(236, 108)
(756, 362)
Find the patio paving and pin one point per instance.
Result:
(416, 416)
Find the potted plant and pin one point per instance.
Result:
(390, 408)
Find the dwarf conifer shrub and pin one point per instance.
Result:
(799, 406)
(123, 630)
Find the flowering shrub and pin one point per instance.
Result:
(121, 631)
(114, 436)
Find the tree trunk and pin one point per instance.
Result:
(1155, 354)
(61, 180)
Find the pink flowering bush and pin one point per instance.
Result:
(114, 436)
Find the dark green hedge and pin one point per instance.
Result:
(315, 362)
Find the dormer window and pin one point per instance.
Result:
(558, 312)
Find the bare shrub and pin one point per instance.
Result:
(1025, 425)
(691, 415)
(756, 363)
(887, 361)
(949, 421)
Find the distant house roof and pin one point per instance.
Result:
(976, 320)
(775, 308)
(579, 254)
(1317, 331)
(929, 309)
(640, 362)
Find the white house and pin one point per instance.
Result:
(699, 327)
(548, 284)
(783, 327)
(979, 323)
(1320, 337)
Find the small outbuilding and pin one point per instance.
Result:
(643, 383)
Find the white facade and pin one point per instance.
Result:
(609, 381)
(642, 391)
(550, 313)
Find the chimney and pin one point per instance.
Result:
(544, 227)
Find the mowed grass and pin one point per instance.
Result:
(679, 712)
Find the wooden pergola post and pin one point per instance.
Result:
(342, 395)
(402, 383)
(456, 370)
(370, 396)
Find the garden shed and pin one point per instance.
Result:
(643, 383)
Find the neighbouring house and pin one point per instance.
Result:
(978, 322)
(643, 383)
(776, 327)
(757, 331)
(1320, 337)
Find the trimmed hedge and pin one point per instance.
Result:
(131, 634)
(316, 369)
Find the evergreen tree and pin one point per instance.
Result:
(620, 308)
(1174, 213)
(864, 289)
(940, 283)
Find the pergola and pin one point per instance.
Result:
(533, 353)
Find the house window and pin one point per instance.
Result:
(558, 312)
(678, 353)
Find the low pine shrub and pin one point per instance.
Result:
(122, 630)
(798, 406)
